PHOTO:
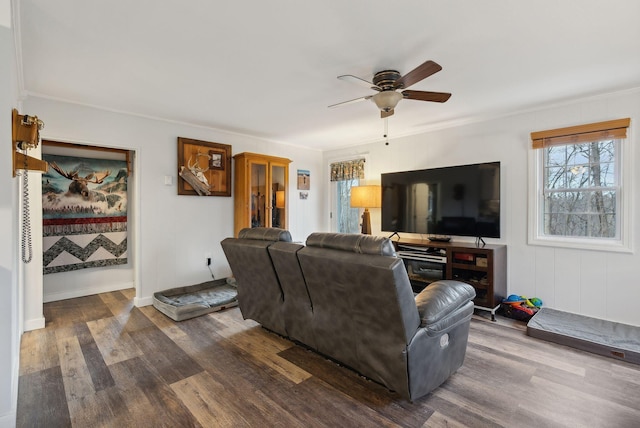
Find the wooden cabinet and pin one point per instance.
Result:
(260, 191)
(485, 268)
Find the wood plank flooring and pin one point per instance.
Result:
(101, 362)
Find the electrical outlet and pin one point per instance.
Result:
(208, 261)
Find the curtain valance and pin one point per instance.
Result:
(612, 129)
(347, 170)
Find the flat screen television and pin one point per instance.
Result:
(459, 200)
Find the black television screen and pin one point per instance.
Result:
(458, 200)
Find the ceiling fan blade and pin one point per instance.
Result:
(358, 81)
(350, 101)
(384, 114)
(417, 74)
(436, 97)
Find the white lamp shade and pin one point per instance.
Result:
(366, 196)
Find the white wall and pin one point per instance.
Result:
(174, 232)
(593, 283)
(9, 307)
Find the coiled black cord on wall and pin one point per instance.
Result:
(27, 247)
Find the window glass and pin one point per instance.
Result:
(348, 219)
(580, 196)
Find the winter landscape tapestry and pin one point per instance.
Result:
(84, 211)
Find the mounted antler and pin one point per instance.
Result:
(197, 170)
(195, 167)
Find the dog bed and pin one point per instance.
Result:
(611, 339)
(183, 303)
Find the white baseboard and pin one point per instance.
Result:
(8, 420)
(71, 294)
(34, 324)
(142, 301)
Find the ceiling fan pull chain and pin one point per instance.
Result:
(386, 131)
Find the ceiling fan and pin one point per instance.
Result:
(388, 82)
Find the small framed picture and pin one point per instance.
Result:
(304, 195)
(304, 179)
(216, 160)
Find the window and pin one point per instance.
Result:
(579, 199)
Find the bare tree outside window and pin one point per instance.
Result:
(581, 190)
(348, 218)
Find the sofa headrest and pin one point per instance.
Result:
(265, 234)
(363, 244)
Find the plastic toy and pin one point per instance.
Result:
(513, 298)
(524, 309)
(520, 307)
(536, 302)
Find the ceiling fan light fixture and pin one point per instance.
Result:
(391, 87)
(387, 100)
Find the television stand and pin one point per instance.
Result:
(439, 238)
(484, 268)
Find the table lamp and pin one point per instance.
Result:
(280, 199)
(366, 197)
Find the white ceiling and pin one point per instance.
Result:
(269, 68)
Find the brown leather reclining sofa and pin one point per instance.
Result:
(348, 297)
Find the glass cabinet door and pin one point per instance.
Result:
(278, 196)
(259, 195)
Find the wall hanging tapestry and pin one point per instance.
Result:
(84, 211)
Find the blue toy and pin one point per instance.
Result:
(513, 298)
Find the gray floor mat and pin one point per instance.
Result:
(182, 303)
(611, 339)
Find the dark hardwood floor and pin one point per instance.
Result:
(100, 362)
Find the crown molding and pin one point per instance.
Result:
(162, 119)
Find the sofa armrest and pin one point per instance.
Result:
(444, 303)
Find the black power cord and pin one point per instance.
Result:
(209, 266)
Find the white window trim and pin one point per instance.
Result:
(624, 244)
